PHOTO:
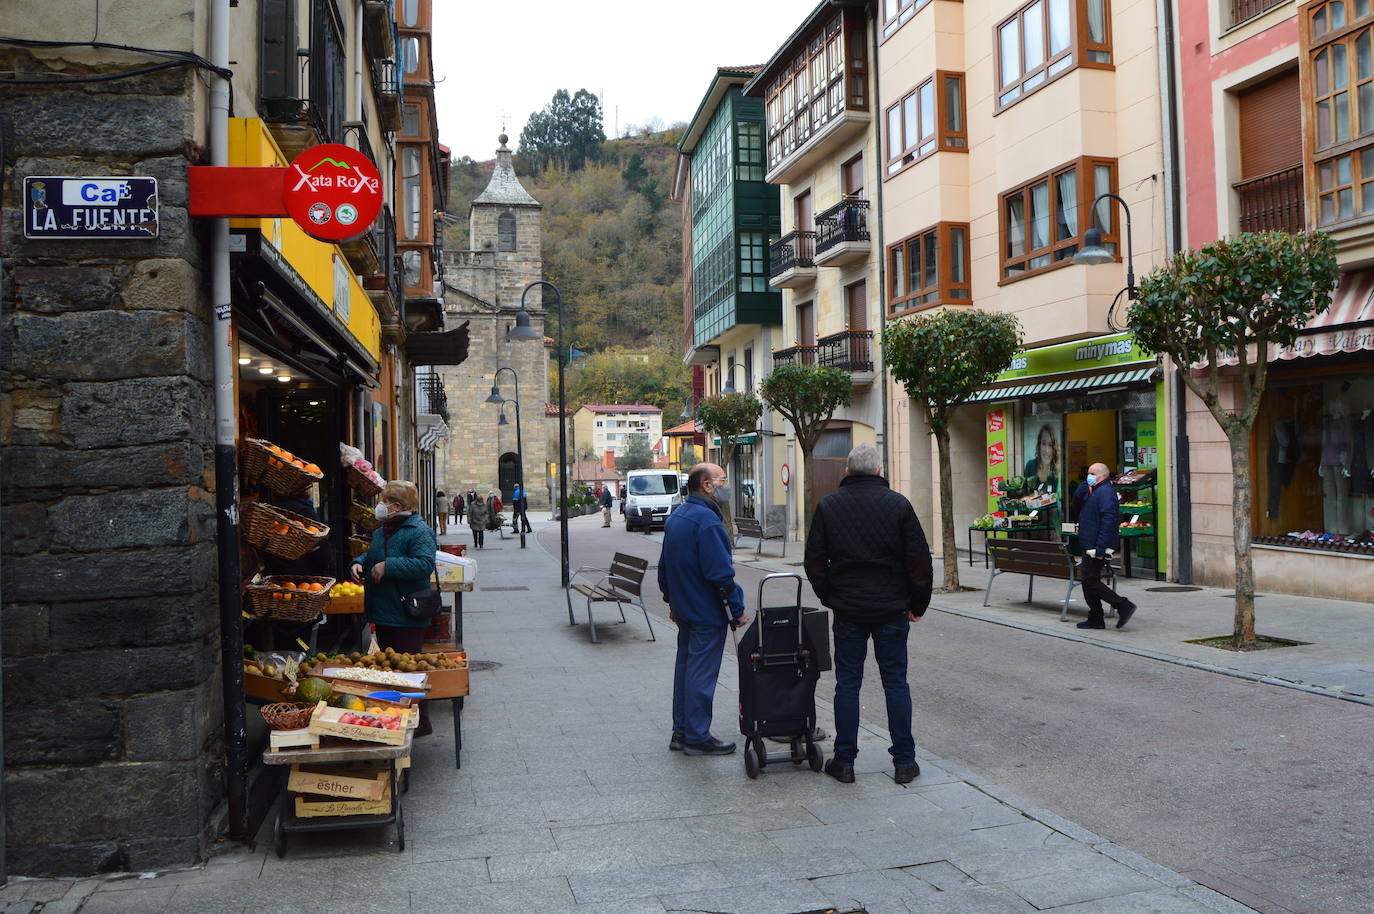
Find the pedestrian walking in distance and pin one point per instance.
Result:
(441, 511)
(607, 500)
(1099, 524)
(696, 574)
(459, 505)
(868, 560)
(519, 506)
(478, 516)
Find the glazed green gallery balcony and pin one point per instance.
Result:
(734, 213)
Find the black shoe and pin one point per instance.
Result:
(1092, 624)
(712, 746)
(905, 774)
(840, 772)
(676, 741)
(1123, 615)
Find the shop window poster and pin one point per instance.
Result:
(1043, 450)
(997, 456)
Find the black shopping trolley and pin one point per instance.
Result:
(778, 669)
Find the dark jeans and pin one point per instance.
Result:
(518, 520)
(699, 652)
(889, 649)
(476, 535)
(407, 640)
(1095, 593)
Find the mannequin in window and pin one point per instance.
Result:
(1285, 450)
(1361, 450)
(1334, 468)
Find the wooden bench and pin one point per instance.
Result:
(1038, 559)
(748, 526)
(620, 584)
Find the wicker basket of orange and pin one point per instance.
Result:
(283, 533)
(276, 469)
(289, 597)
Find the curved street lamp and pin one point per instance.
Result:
(729, 387)
(1094, 252)
(524, 331)
(495, 397)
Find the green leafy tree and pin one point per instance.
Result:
(655, 376)
(638, 455)
(1233, 299)
(807, 397)
(566, 134)
(688, 457)
(941, 360)
(729, 416)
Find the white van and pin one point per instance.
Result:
(650, 496)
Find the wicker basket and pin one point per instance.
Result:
(287, 715)
(358, 482)
(268, 599)
(362, 518)
(357, 546)
(268, 471)
(263, 528)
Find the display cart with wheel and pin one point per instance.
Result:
(778, 672)
(296, 814)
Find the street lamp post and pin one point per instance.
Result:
(729, 386)
(1093, 252)
(495, 397)
(523, 331)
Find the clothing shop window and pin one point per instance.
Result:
(1046, 39)
(928, 119)
(929, 268)
(1339, 35)
(1313, 446)
(1043, 221)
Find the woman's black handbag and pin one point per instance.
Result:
(424, 604)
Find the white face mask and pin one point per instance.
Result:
(1092, 479)
(382, 511)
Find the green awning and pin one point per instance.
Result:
(1041, 388)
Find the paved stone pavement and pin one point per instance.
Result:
(568, 800)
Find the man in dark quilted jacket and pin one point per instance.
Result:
(868, 561)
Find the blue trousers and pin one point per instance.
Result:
(699, 651)
(889, 649)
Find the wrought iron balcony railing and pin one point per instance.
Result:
(845, 221)
(849, 350)
(433, 399)
(1273, 202)
(795, 355)
(795, 249)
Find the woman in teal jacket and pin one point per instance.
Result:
(400, 561)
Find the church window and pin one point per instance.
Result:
(505, 231)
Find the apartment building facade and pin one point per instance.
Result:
(734, 316)
(1278, 135)
(821, 149)
(1002, 123)
(609, 427)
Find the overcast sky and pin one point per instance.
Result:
(500, 61)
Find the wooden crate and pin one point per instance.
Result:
(449, 683)
(350, 783)
(309, 807)
(344, 605)
(325, 722)
(263, 687)
(292, 739)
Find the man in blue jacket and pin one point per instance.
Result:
(696, 574)
(1099, 522)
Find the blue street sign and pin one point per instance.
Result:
(91, 207)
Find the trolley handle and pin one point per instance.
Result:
(778, 576)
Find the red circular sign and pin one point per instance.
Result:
(333, 192)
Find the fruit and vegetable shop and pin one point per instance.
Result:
(1056, 411)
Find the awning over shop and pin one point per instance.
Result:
(1347, 326)
(449, 347)
(1111, 379)
(750, 438)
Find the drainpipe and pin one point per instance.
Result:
(1183, 481)
(226, 452)
(358, 62)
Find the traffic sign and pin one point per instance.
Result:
(786, 476)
